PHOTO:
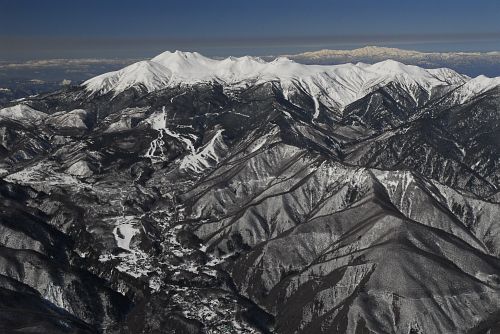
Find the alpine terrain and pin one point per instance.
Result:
(185, 194)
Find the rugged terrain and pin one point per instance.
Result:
(191, 195)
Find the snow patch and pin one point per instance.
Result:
(123, 235)
(158, 122)
(207, 156)
(80, 168)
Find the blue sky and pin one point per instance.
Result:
(123, 28)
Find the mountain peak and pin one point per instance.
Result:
(179, 53)
(147, 73)
(180, 59)
(391, 65)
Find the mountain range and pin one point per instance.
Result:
(471, 63)
(185, 194)
(21, 79)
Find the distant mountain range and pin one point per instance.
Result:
(470, 63)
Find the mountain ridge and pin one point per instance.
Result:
(340, 84)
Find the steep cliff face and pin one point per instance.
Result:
(190, 195)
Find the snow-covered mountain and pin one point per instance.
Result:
(471, 63)
(333, 85)
(338, 84)
(191, 195)
(387, 53)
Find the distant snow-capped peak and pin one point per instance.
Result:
(377, 52)
(333, 85)
(364, 51)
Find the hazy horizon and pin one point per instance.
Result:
(126, 29)
(44, 49)
(219, 52)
